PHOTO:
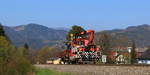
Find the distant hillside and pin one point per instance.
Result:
(140, 34)
(35, 35)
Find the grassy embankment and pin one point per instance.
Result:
(50, 72)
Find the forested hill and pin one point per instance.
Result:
(38, 36)
(35, 35)
(140, 34)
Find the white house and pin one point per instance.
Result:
(143, 60)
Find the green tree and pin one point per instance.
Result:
(2, 33)
(75, 30)
(12, 62)
(5, 54)
(26, 51)
(133, 53)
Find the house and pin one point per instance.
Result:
(123, 57)
(53, 60)
(119, 55)
(104, 58)
(120, 59)
(144, 58)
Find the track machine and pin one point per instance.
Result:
(81, 49)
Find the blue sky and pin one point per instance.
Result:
(90, 14)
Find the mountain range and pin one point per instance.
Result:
(35, 35)
(38, 36)
(140, 34)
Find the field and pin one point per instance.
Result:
(100, 69)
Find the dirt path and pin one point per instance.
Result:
(100, 70)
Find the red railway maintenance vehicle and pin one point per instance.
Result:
(81, 49)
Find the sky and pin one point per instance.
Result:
(90, 14)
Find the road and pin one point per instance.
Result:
(100, 70)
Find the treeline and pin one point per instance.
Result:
(46, 53)
(13, 61)
(19, 61)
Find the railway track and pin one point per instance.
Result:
(102, 69)
(148, 65)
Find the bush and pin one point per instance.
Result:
(12, 62)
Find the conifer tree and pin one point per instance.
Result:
(26, 50)
(2, 33)
(133, 53)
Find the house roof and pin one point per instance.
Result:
(145, 55)
(143, 58)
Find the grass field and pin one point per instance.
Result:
(50, 72)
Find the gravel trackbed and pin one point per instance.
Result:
(100, 70)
